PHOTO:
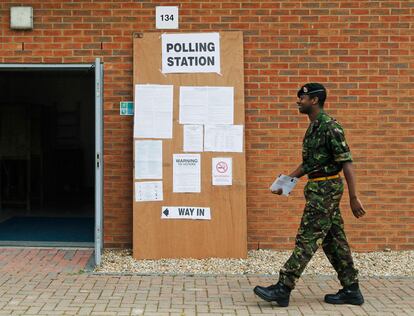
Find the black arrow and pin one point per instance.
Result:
(166, 212)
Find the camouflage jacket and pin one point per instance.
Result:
(324, 146)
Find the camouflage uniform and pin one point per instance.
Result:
(324, 151)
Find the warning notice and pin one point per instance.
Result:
(189, 53)
(186, 173)
(185, 212)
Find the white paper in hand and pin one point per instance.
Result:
(285, 183)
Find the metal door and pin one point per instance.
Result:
(99, 161)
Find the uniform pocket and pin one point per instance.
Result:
(314, 197)
(323, 196)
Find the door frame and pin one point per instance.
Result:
(97, 67)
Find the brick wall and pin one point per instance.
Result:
(362, 50)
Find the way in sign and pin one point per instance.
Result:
(185, 212)
(190, 211)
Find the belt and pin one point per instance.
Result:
(321, 174)
(337, 176)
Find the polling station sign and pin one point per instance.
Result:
(185, 212)
(190, 53)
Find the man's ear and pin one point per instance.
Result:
(315, 100)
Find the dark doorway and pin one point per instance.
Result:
(47, 147)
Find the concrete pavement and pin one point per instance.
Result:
(53, 282)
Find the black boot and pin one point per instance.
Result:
(348, 295)
(278, 293)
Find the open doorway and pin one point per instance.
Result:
(47, 156)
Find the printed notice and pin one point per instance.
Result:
(222, 171)
(206, 105)
(193, 138)
(153, 111)
(285, 183)
(148, 159)
(224, 138)
(148, 191)
(186, 173)
(191, 52)
(185, 212)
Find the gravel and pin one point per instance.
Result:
(386, 263)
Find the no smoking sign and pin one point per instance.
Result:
(222, 171)
(222, 167)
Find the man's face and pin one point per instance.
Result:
(305, 103)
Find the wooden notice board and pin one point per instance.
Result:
(225, 235)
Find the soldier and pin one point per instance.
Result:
(325, 153)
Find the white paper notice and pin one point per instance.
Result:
(185, 212)
(206, 105)
(220, 105)
(222, 171)
(153, 111)
(148, 191)
(193, 138)
(148, 159)
(186, 173)
(225, 138)
(285, 183)
(191, 52)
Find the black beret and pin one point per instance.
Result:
(310, 88)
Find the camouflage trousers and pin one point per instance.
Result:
(321, 224)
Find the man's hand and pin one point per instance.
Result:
(356, 205)
(278, 192)
(357, 208)
(295, 174)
